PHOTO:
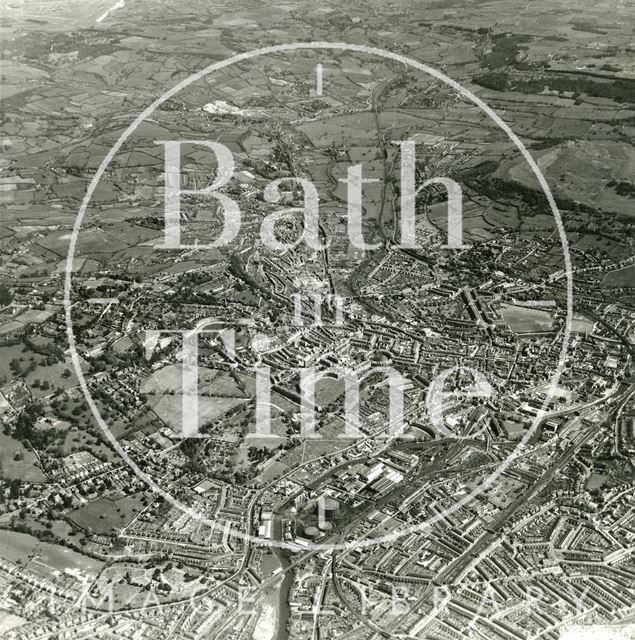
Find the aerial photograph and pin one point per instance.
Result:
(317, 320)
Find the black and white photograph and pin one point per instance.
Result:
(317, 320)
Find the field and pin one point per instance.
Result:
(60, 557)
(581, 324)
(475, 224)
(339, 130)
(26, 469)
(596, 481)
(525, 319)
(169, 408)
(105, 514)
(9, 621)
(304, 452)
(80, 437)
(52, 376)
(218, 394)
(142, 420)
(90, 241)
(27, 359)
(6, 355)
(621, 278)
(582, 172)
(132, 234)
(15, 546)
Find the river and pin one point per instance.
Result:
(284, 590)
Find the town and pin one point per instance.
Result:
(230, 210)
(287, 384)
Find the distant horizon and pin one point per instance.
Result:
(317, 321)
